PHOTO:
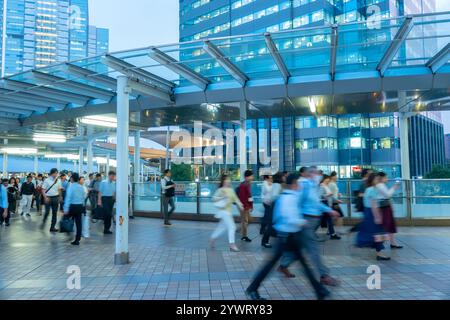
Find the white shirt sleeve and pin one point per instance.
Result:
(384, 192)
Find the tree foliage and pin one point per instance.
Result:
(182, 172)
(439, 172)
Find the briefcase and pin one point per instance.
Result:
(66, 224)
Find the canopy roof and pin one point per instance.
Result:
(334, 69)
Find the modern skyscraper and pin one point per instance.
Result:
(342, 143)
(36, 33)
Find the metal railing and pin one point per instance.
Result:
(415, 199)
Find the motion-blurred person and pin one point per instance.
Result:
(288, 222)
(168, 196)
(4, 212)
(276, 189)
(336, 196)
(38, 193)
(74, 204)
(51, 194)
(245, 196)
(266, 196)
(359, 198)
(385, 204)
(371, 233)
(224, 198)
(327, 199)
(27, 191)
(106, 199)
(94, 188)
(13, 195)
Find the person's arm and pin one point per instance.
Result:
(99, 197)
(237, 201)
(68, 200)
(376, 212)
(384, 191)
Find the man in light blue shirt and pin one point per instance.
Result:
(4, 213)
(74, 204)
(288, 222)
(106, 195)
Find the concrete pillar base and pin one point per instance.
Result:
(122, 258)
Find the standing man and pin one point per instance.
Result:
(106, 199)
(4, 212)
(93, 189)
(64, 187)
(27, 191)
(288, 222)
(245, 196)
(74, 204)
(51, 194)
(168, 195)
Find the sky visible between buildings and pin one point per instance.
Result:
(141, 23)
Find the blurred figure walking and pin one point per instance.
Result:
(74, 204)
(223, 199)
(51, 193)
(245, 196)
(27, 191)
(288, 222)
(4, 212)
(106, 199)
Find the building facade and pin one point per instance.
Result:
(345, 143)
(447, 148)
(38, 33)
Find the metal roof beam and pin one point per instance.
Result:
(90, 75)
(179, 68)
(395, 45)
(46, 92)
(333, 53)
(150, 91)
(137, 74)
(221, 59)
(74, 86)
(16, 111)
(10, 104)
(276, 56)
(27, 98)
(440, 59)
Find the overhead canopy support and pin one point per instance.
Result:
(277, 57)
(16, 111)
(221, 59)
(333, 54)
(440, 59)
(27, 98)
(45, 92)
(73, 86)
(179, 68)
(395, 45)
(150, 91)
(137, 74)
(28, 107)
(89, 75)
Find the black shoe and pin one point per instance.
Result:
(267, 245)
(28, 215)
(323, 293)
(107, 232)
(254, 295)
(246, 239)
(7, 224)
(75, 243)
(54, 230)
(335, 237)
(167, 224)
(396, 247)
(380, 258)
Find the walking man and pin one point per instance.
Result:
(27, 191)
(106, 199)
(288, 222)
(168, 195)
(4, 212)
(51, 193)
(245, 196)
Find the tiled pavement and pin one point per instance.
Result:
(176, 263)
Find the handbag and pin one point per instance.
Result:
(66, 224)
(85, 226)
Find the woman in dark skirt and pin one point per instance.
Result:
(385, 195)
(371, 233)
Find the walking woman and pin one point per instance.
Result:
(224, 198)
(74, 204)
(385, 195)
(327, 199)
(275, 191)
(371, 232)
(336, 196)
(13, 195)
(266, 196)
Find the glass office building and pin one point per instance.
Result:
(345, 144)
(37, 33)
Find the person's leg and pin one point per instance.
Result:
(78, 224)
(231, 227)
(221, 227)
(165, 208)
(172, 205)
(244, 223)
(28, 206)
(54, 205)
(46, 213)
(108, 206)
(264, 220)
(311, 246)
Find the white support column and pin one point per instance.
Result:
(242, 140)
(167, 165)
(36, 165)
(404, 139)
(81, 161)
(123, 122)
(5, 161)
(74, 165)
(90, 157)
(137, 157)
(58, 164)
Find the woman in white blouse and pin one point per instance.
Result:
(385, 206)
(327, 198)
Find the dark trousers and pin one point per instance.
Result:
(53, 204)
(293, 243)
(5, 220)
(61, 205)
(166, 212)
(266, 224)
(93, 199)
(12, 206)
(37, 199)
(108, 205)
(76, 211)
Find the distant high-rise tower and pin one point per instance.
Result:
(36, 33)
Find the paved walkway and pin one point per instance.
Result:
(175, 263)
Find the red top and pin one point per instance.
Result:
(245, 193)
